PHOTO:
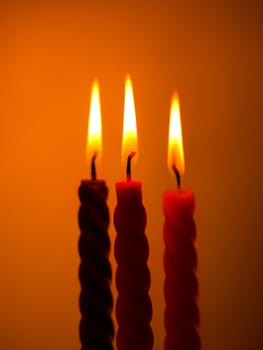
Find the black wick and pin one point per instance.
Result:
(128, 168)
(177, 174)
(93, 167)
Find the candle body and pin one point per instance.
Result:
(133, 306)
(96, 327)
(181, 317)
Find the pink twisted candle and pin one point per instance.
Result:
(133, 307)
(96, 302)
(180, 263)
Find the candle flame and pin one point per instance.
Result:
(175, 143)
(94, 143)
(129, 136)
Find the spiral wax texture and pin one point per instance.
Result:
(133, 306)
(181, 317)
(96, 302)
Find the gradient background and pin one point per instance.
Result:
(212, 53)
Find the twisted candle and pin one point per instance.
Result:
(96, 327)
(180, 263)
(133, 306)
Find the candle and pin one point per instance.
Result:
(181, 317)
(96, 327)
(133, 306)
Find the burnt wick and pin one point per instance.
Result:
(128, 168)
(93, 167)
(177, 174)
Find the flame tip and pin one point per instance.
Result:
(95, 83)
(128, 82)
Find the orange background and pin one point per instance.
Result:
(50, 53)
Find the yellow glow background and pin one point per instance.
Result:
(211, 53)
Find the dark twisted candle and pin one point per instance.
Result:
(180, 263)
(133, 306)
(96, 327)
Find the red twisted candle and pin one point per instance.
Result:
(180, 257)
(96, 302)
(133, 306)
(180, 262)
